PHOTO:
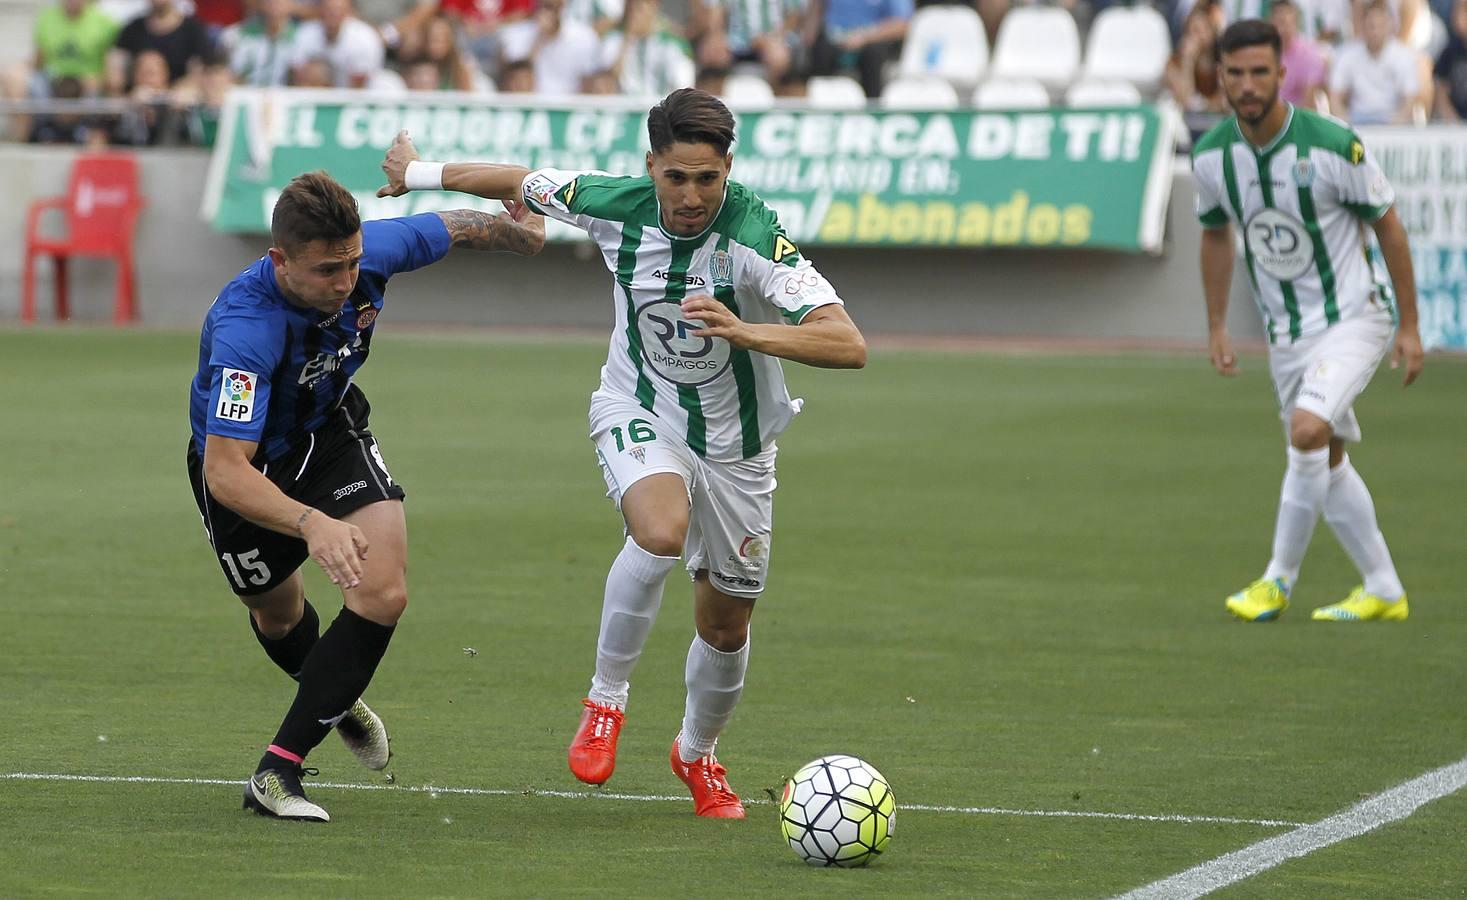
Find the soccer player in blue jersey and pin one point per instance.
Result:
(283, 465)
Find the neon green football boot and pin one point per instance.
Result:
(1262, 601)
(1363, 607)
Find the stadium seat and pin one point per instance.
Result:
(915, 93)
(1128, 43)
(946, 41)
(835, 92)
(1088, 93)
(1040, 42)
(99, 211)
(1011, 93)
(747, 92)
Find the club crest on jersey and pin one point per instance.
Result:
(366, 319)
(237, 396)
(720, 267)
(1304, 173)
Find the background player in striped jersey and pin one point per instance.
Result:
(283, 465)
(1303, 187)
(707, 288)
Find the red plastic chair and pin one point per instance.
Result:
(100, 208)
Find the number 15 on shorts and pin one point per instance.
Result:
(638, 431)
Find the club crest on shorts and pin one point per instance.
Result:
(639, 454)
(720, 267)
(1304, 173)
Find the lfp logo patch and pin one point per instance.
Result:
(237, 396)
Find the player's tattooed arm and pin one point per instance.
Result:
(516, 230)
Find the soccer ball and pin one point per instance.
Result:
(837, 811)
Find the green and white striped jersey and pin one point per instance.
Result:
(748, 19)
(730, 403)
(1303, 203)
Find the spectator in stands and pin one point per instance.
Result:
(601, 83)
(563, 51)
(214, 86)
(181, 40)
(66, 128)
(71, 41)
(436, 45)
(1304, 63)
(260, 49)
(517, 77)
(1451, 69)
(352, 48)
(1191, 73)
(766, 32)
(316, 72)
(1377, 79)
(861, 34)
(158, 114)
(601, 15)
(644, 56)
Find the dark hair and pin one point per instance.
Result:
(1249, 33)
(313, 207)
(690, 116)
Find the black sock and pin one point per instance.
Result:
(336, 673)
(290, 651)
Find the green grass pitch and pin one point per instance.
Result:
(999, 578)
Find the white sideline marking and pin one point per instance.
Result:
(1369, 814)
(645, 798)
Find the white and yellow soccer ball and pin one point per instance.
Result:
(837, 811)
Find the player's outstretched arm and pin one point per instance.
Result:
(492, 180)
(1217, 280)
(1396, 249)
(826, 337)
(339, 547)
(517, 229)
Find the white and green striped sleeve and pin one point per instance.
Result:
(1208, 177)
(1359, 183)
(550, 192)
(794, 288)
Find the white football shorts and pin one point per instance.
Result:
(731, 504)
(1324, 374)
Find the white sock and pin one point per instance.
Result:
(1351, 514)
(1306, 484)
(715, 681)
(633, 595)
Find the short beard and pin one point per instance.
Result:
(1268, 106)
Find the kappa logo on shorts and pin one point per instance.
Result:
(237, 396)
(348, 490)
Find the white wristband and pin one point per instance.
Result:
(423, 176)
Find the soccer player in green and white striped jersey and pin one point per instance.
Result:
(1303, 188)
(709, 294)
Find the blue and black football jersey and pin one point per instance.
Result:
(270, 371)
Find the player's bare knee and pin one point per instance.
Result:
(381, 605)
(1309, 432)
(662, 538)
(725, 640)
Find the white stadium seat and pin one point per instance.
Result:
(747, 92)
(946, 41)
(1038, 42)
(835, 92)
(1128, 43)
(1011, 93)
(919, 92)
(1087, 93)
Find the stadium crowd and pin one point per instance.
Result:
(165, 65)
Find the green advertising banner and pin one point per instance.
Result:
(1035, 178)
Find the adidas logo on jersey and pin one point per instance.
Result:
(693, 280)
